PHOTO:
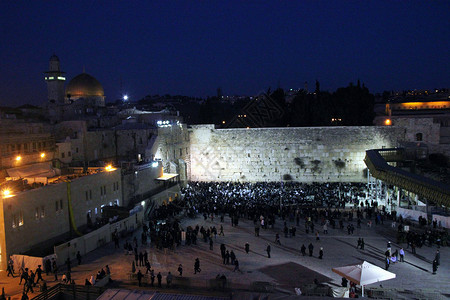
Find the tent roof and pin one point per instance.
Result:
(364, 273)
(43, 169)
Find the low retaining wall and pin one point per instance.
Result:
(96, 238)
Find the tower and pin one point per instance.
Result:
(55, 81)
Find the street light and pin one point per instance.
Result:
(18, 158)
(125, 97)
(7, 193)
(42, 155)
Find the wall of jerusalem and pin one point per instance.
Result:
(317, 154)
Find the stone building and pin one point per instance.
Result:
(40, 216)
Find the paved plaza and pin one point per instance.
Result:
(286, 268)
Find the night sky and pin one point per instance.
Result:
(193, 47)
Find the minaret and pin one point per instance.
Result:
(55, 81)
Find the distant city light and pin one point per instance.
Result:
(42, 155)
(18, 158)
(125, 97)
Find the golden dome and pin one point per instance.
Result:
(84, 85)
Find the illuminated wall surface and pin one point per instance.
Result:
(421, 105)
(274, 154)
(32, 216)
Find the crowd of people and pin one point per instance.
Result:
(320, 207)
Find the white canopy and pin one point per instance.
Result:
(364, 273)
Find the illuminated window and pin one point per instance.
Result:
(42, 212)
(36, 214)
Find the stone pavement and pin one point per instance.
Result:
(286, 268)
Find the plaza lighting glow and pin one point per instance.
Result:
(388, 122)
(109, 168)
(7, 193)
(18, 158)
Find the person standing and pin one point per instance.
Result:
(310, 249)
(303, 250)
(139, 277)
(321, 253)
(227, 258)
(24, 276)
(169, 279)
(148, 267)
(402, 254)
(232, 257)
(435, 266)
(236, 266)
(221, 230)
(210, 244)
(387, 262)
(9, 271)
(197, 266)
(268, 250)
(79, 258)
(39, 274)
(180, 269)
(437, 257)
(362, 244)
(159, 278)
(247, 248)
(30, 282)
(152, 278)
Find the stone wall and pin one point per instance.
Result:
(428, 130)
(318, 154)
